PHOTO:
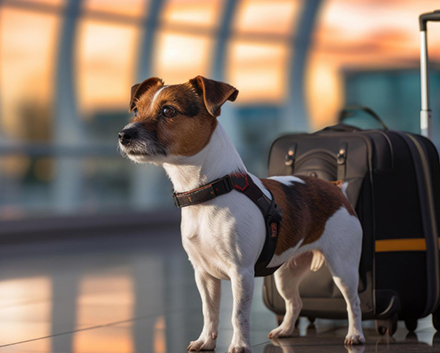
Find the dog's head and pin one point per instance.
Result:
(175, 120)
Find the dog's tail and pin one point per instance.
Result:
(341, 184)
(317, 261)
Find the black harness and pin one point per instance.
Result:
(243, 183)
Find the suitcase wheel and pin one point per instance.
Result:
(411, 324)
(389, 326)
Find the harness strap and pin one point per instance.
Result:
(272, 218)
(204, 193)
(243, 183)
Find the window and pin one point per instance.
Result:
(258, 70)
(28, 50)
(260, 49)
(202, 14)
(179, 57)
(266, 17)
(106, 65)
(366, 35)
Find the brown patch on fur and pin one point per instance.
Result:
(191, 128)
(306, 209)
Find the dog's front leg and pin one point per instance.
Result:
(242, 282)
(210, 292)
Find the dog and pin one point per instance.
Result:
(176, 126)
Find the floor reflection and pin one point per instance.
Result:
(329, 341)
(136, 293)
(25, 308)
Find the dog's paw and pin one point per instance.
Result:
(201, 345)
(239, 349)
(281, 331)
(352, 339)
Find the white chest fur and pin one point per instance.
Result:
(228, 230)
(223, 233)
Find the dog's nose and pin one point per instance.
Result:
(125, 136)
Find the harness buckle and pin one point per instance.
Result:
(176, 201)
(226, 182)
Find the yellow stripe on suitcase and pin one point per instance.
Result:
(390, 245)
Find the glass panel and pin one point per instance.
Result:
(179, 57)
(266, 16)
(28, 49)
(367, 36)
(258, 71)
(206, 13)
(106, 59)
(119, 7)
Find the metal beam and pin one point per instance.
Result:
(295, 116)
(67, 126)
(152, 21)
(228, 118)
(223, 35)
(147, 180)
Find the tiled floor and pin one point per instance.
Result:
(136, 293)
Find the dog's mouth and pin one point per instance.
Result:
(140, 153)
(130, 151)
(136, 153)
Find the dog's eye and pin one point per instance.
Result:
(135, 112)
(168, 112)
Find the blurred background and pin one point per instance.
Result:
(66, 68)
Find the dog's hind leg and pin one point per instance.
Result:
(346, 279)
(342, 255)
(210, 292)
(287, 280)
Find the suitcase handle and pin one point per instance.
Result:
(339, 128)
(428, 16)
(347, 111)
(425, 111)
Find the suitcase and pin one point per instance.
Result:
(392, 179)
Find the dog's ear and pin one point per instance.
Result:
(214, 93)
(140, 88)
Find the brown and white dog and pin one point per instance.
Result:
(176, 126)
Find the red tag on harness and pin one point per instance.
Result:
(240, 181)
(274, 229)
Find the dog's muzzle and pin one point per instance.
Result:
(135, 140)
